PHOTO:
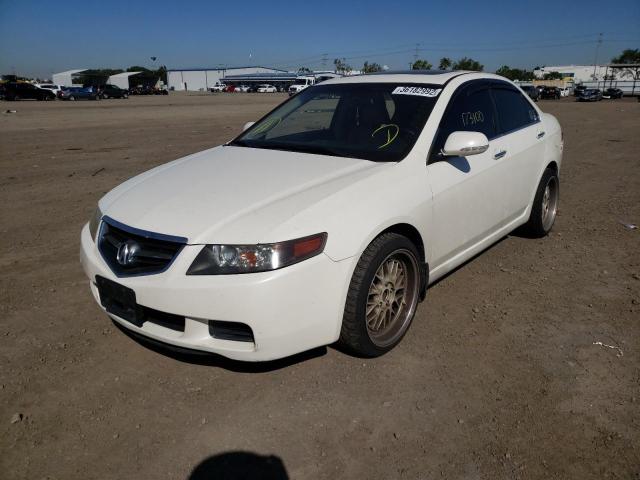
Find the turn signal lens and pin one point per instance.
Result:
(230, 259)
(94, 222)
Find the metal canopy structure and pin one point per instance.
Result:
(261, 77)
(121, 79)
(632, 68)
(65, 78)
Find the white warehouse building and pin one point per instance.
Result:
(581, 73)
(200, 79)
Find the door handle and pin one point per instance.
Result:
(500, 154)
(541, 134)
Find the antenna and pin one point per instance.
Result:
(595, 60)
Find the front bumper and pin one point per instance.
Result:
(290, 310)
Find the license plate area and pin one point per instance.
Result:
(119, 300)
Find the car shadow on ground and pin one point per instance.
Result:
(467, 262)
(196, 357)
(240, 466)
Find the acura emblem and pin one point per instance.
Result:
(127, 252)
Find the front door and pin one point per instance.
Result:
(467, 191)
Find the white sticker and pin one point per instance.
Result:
(419, 91)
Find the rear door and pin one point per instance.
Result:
(467, 191)
(520, 143)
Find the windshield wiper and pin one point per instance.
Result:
(238, 143)
(288, 147)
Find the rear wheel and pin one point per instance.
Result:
(545, 206)
(383, 296)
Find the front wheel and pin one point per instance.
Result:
(382, 297)
(545, 206)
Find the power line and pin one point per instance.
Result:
(437, 47)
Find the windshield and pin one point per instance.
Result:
(373, 121)
(301, 81)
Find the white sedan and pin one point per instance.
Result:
(50, 86)
(327, 219)
(267, 89)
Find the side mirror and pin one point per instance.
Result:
(463, 144)
(247, 126)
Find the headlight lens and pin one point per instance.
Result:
(94, 223)
(229, 259)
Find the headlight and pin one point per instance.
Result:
(227, 259)
(94, 223)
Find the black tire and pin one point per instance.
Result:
(356, 335)
(539, 223)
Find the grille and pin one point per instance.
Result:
(238, 332)
(129, 251)
(167, 320)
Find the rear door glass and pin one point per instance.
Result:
(514, 111)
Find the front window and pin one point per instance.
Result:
(373, 121)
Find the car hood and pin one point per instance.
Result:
(231, 194)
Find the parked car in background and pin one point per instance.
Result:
(550, 93)
(230, 88)
(300, 83)
(267, 89)
(540, 88)
(218, 87)
(612, 93)
(113, 91)
(577, 91)
(590, 95)
(242, 88)
(24, 91)
(49, 86)
(531, 91)
(565, 91)
(79, 93)
(347, 210)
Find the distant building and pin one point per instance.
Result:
(580, 73)
(201, 79)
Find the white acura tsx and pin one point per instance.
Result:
(327, 219)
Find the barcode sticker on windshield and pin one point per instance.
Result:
(420, 91)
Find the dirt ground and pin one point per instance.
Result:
(500, 376)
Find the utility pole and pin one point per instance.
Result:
(324, 61)
(416, 54)
(595, 60)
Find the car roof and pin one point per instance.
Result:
(431, 77)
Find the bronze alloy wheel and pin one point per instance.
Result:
(392, 298)
(549, 203)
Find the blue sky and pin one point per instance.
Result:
(43, 37)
